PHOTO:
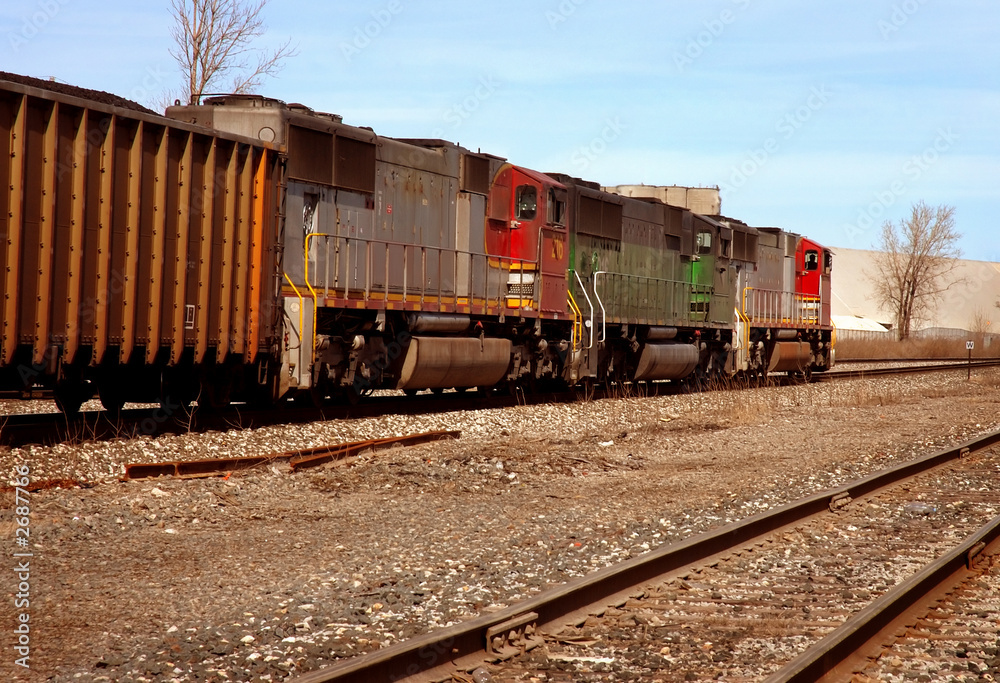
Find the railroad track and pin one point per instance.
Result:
(904, 370)
(960, 634)
(95, 425)
(955, 359)
(736, 603)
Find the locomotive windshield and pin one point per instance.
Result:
(812, 259)
(527, 202)
(704, 243)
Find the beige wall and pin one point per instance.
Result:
(703, 200)
(978, 289)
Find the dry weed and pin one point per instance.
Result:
(866, 394)
(933, 347)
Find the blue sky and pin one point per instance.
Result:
(824, 118)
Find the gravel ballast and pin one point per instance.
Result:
(268, 573)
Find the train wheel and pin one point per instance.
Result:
(264, 385)
(70, 396)
(800, 377)
(111, 395)
(216, 393)
(352, 397)
(175, 395)
(695, 382)
(410, 392)
(585, 389)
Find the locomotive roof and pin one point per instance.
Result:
(735, 224)
(539, 177)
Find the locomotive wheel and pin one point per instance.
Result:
(411, 392)
(800, 377)
(695, 382)
(351, 396)
(317, 395)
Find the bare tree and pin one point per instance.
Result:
(916, 257)
(980, 322)
(214, 41)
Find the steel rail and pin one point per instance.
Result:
(907, 370)
(845, 650)
(951, 359)
(95, 425)
(436, 655)
(297, 460)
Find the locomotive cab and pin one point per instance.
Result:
(813, 264)
(526, 238)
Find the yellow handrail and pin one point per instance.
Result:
(302, 315)
(577, 321)
(315, 297)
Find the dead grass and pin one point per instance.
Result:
(752, 411)
(860, 349)
(988, 378)
(866, 394)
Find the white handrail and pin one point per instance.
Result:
(583, 289)
(604, 313)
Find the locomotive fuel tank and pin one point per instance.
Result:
(442, 362)
(790, 357)
(666, 361)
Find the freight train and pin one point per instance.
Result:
(247, 249)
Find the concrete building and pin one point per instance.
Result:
(975, 293)
(703, 200)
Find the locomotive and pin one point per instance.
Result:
(248, 249)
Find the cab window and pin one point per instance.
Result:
(812, 260)
(704, 243)
(557, 209)
(527, 202)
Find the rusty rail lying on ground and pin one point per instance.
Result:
(297, 460)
